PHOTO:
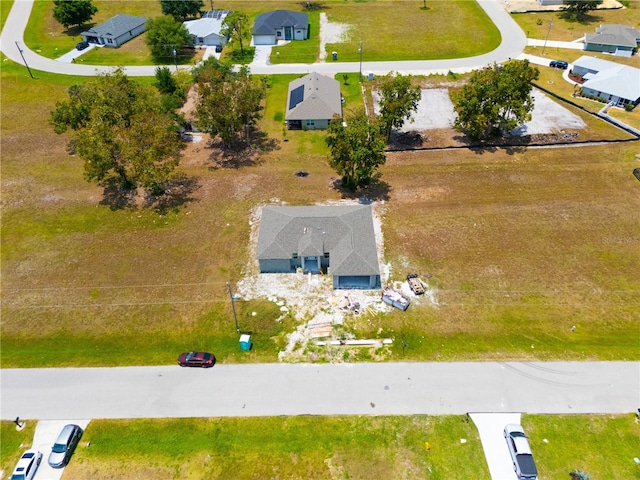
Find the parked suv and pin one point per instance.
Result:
(561, 64)
(65, 445)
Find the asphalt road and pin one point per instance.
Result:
(512, 45)
(329, 389)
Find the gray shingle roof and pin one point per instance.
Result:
(616, 35)
(268, 23)
(345, 232)
(116, 26)
(320, 98)
(610, 77)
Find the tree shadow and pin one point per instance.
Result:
(240, 154)
(118, 196)
(588, 18)
(376, 190)
(76, 30)
(263, 142)
(178, 191)
(310, 6)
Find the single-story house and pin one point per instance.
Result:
(115, 31)
(617, 84)
(337, 240)
(616, 39)
(312, 102)
(206, 30)
(280, 25)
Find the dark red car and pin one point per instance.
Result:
(197, 359)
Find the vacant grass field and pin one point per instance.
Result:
(334, 447)
(520, 245)
(377, 24)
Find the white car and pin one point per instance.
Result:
(27, 465)
(520, 451)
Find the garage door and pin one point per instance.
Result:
(353, 282)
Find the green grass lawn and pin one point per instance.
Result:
(356, 447)
(545, 239)
(5, 8)
(380, 26)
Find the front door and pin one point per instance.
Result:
(287, 33)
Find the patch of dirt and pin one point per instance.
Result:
(311, 299)
(331, 33)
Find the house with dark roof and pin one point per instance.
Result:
(271, 27)
(616, 39)
(312, 102)
(617, 84)
(205, 31)
(336, 240)
(115, 31)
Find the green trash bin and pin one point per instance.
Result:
(245, 342)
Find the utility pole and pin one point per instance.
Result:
(233, 307)
(545, 40)
(23, 59)
(360, 52)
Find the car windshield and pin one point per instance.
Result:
(58, 448)
(27, 455)
(18, 477)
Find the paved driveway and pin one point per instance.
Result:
(46, 433)
(490, 427)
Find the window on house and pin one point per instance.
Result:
(295, 255)
(326, 254)
(278, 34)
(109, 40)
(311, 123)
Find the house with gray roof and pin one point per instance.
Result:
(617, 84)
(205, 31)
(115, 31)
(312, 102)
(619, 40)
(336, 240)
(271, 27)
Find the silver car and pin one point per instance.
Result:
(65, 445)
(520, 451)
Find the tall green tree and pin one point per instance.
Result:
(119, 128)
(236, 24)
(357, 149)
(165, 34)
(181, 9)
(495, 100)
(229, 105)
(399, 99)
(577, 9)
(73, 12)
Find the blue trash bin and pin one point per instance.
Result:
(334, 55)
(245, 342)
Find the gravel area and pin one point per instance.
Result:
(435, 110)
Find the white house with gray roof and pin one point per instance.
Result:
(312, 102)
(619, 40)
(615, 83)
(336, 240)
(271, 27)
(205, 31)
(115, 31)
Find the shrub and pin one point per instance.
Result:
(628, 107)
